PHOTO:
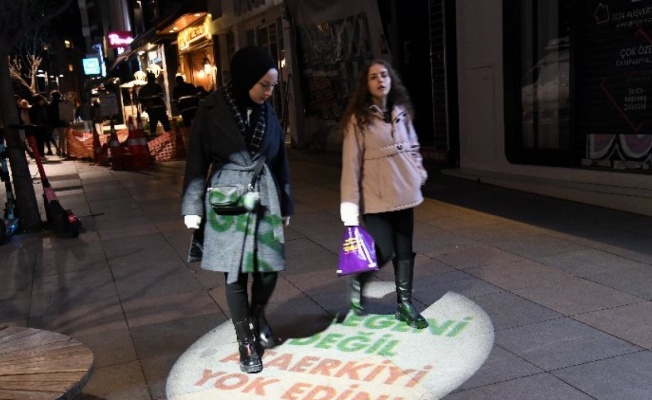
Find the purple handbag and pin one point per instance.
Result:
(358, 253)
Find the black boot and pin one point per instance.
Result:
(249, 359)
(403, 273)
(261, 326)
(357, 283)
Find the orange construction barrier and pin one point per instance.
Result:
(139, 157)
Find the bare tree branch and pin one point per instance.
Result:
(16, 18)
(27, 57)
(15, 71)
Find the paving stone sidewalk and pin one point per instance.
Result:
(568, 287)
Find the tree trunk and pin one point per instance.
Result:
(26, 205)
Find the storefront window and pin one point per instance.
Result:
(537, 75)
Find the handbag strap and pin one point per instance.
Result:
(258, 168)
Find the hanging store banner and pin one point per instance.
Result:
(335, 39)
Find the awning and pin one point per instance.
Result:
(139, 43)
(185, 14)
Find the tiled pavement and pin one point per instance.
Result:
(568, 287)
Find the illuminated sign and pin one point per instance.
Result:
(119, 39)
(356, 357)
(91, 66)
(194, 33)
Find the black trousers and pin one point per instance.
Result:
(237, 297)
(40, 134)
(156, 115)
(187, 116)
(392, 232)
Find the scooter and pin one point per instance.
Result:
(62, 221)
(9, 222)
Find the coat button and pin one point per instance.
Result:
(399, 147)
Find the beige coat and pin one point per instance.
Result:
(382, 169)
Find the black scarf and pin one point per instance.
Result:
(252, 128)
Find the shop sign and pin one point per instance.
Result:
(118, 39)
(194, 33)
(242, 6)
(108, 104)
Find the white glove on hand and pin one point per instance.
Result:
(192, 221)
(350, 213)
(286, 221)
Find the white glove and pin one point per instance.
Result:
(286, 221)
(192, 221)
(350, 213)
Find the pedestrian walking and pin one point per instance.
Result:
(56, 125)
(151, 97)
(18, 99)
(237, 139)
(24, 107)
(97, 118)
(186, 96)
(382, 175)
(38, 116)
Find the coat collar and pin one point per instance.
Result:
(398, 113)
(220, 114)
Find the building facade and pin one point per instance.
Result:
(553, 98)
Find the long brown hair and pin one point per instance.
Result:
(361, 100)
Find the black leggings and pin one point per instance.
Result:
(392, 231)
(237, 297)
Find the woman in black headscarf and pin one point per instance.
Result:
(235, 131)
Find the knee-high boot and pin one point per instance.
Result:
(261, 326)
(357, 283)
(403, 273)
(250, 361)
(355, 294)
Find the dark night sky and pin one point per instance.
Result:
(68, 25)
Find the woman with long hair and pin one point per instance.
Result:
(382, 175)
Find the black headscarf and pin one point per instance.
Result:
(248, 65)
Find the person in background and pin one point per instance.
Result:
(151, 97)
(96, 117)
(234, 129)
(18, 99)
(203, 93)
(382, 175)
(23, 114)
(186, 96)
(55, 124)
(23, 107)
(38, 116)
(79, 114)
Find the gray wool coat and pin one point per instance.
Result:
(218, 155)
